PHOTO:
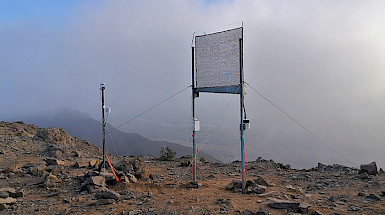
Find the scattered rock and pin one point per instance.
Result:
(303, 206)
(54, 151)
(282, 204)
(223, 210)
(98, 181)
(137, 165)
(4, 194)
(193, 184)
(268, 194)
(82, 164)
(107, 194)
(131, 178)
(354, 208)
(135, 212)
(12, 168)
(262, 181)
(29, 165)
(373, 197)
(52, 161)
(250, 187)
(248, 212)
(286, 167)
(124, 179)
(361, 194)
(36, 181)
(260, 211)
(55, 169)
(94, 163)
(124, 166)
(258, 189)
(11, 192)
(235, 185)
(3, 206)
(79, 154)
(104, 202)
(184, 162)
(260, 160)
(293, 189)
(127, 195)
(364, 175)
(109, 177)
(370, 168)
(223, 202)
(140, 174)
(51, 181)
(321, 167)
(8, 201)
(327, 189)
(64, 212)
(38, 170)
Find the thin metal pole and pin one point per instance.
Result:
(241, 107)
(194, 165)
(102, 87)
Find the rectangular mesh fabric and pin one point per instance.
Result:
(217, 59)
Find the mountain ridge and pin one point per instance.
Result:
(83, 126)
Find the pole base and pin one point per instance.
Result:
(193, 185)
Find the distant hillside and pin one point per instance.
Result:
(83, 126)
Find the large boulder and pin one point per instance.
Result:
(370, 168)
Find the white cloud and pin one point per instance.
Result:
(320, 60)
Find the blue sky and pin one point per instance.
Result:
(48, 11)
(42, 11)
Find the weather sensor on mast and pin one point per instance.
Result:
(104, 110)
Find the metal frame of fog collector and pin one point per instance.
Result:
(217, 67)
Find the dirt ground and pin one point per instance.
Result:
(162, 190)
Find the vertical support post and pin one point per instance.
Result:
(241, 106)
(102, 88)
(194, 164)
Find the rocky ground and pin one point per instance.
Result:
(46, 171)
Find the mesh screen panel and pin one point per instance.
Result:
(217, 60)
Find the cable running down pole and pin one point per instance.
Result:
(194, 163)
(102, 88)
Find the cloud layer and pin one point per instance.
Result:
(321, 61)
